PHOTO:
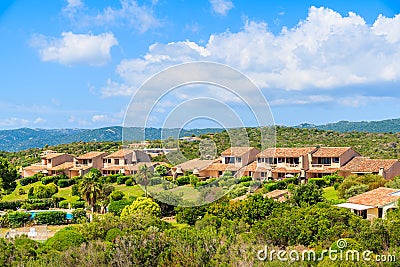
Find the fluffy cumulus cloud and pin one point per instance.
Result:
(324, 51)
(221, 7)
(129, 14)
(73, 48)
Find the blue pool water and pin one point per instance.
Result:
(33, 213)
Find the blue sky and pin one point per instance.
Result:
(77, 63)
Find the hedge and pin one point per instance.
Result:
(64, 239)
(271, 186)
(13, 205)
(79, 215)
(245, 179)
(116, 207)
(320, 182)
(122, 179)
(182, 180)
(29, 180)
(65, 182)
(17, 218)
(112, 178)
(129, 182)
(78, 204)
(50, 217)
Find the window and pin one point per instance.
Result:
(325, 161)
(116, 161)
(90, 161)
(49, 161)
(281, 160)
(263, 174)
(109, 160)
(238, 160)
(335, 160)
(229, 160)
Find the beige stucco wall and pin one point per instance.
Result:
(347, 156)
(393, 171)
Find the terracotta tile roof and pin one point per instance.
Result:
(222, 167)
(120, 153)
(115, 167)
(236, 151)
(80, 168)
(52, 155)
(91, 155)
(330, 151)
(277, 194)
(136, 167)
(377, 197)
(281, 152)
(195, 163)
(63, 166)
(363, 164)
(252, 167)
(35, 167)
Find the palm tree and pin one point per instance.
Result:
(91, 188)
(144, 174)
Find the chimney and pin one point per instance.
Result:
(381, 172)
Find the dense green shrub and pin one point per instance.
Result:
(245, 179)
(320, 182)
(129, 182)
(30, 179)
(17, 218)
(122, 179)
(182, 180)
(75, 190)
(113, 233)
(21, 191)
(64, 239)
(246, 184)
(116, 195)
(48, 179)
(44, 191)
(271, 186)
(112, 178)
(78, 204)
(35, 206)
(15, 204)
(79, 215)
(64, 204)
(50, 217)
(116, 207)
(155, 181)
(65, 182)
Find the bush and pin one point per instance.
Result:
(320, 182)
(141, 205)
(17, 218)
(75, 190)
(63, 204)
(122, 179)
(28, 180)
(129, 182)
(116, 207)
(113, 178)
(65, 182)
(48, 179)
(78, 204)
(355, 190)
(35, 206)
(182, 180)
(246, 184)
(112, 234)
(51, 217)
(117, 195)
(79, 215)
(244, 179)
(64, 239)
(21, 191)
(271, 186)
(336, 185)
(155, 181)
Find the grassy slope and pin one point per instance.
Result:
(331, 194)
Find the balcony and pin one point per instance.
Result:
(320, 166)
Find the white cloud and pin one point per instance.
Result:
(221, 7)
(115, 89)
(39, 120)
(100, 118)
(129, 14)
(13, 122)
(73, 48)
(326, 50)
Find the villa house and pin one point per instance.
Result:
(51, 164)
(327, 160)
(195, 166)
(374, 203)
(122, 161)
(233, 160)
(387, 168)
(85, 162)
(280, 163)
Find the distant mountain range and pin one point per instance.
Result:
(383, 126)
(25, 138)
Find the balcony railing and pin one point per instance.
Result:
(320, 165)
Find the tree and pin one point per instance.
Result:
(395, 183)
(143, 176)
(308, 193)
(91, 188)
(161, 170)
(8, 175)
(142, 204)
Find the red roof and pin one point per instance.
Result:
(286, 152)
(363, 164)
(330, 151)
(377, 197)
(237, 151)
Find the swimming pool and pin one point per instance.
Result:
(69, 216)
